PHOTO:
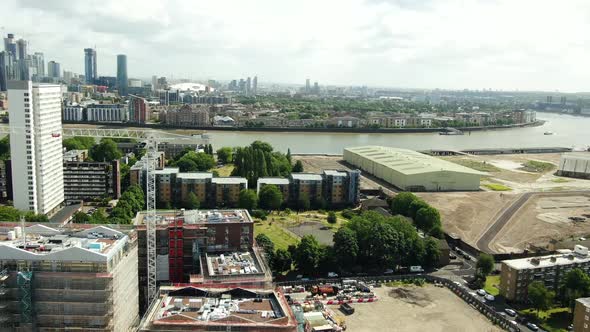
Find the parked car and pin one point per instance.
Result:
(347, 308)
(481, 292)
(332, 275)
(532, 326)
(452, 256)
(510, 312)
(489, 297)
(388, 271)
(416, 269)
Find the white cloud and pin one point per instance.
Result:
(504, 44)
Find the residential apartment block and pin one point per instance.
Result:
(517, 274)
(202, 246)
(185, 116)
(88, 180)
(76, 280)
(36, 146)
(139, 110)
(582, 315)
(336, 188)
(219, 309)
(106, 113)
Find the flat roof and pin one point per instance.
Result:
(233, 263)
(334, 172)
(576, 155)
(584, 300)
(229, 180)
(194, 175)
(167, 170)
(197, 216)
(408, 161)
(280, 181)
(306, 176)
(565, 257)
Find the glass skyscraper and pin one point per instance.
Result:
(122, 82)
(90, 65)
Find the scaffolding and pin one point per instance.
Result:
(24, 281)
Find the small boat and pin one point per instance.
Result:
(547, 133)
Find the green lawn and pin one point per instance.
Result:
(224, 170)
(281, 237)
(552, 320)
(476, 165)
(537, 166)
(492, 284)
(497, 187)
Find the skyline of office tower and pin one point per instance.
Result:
(21, 49)
(36, 146)
(39, 63)
(90, 71)
(10, 44)
(122, 81)
(255, 85)
(53, 69)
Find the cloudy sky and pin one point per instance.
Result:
(476, 44)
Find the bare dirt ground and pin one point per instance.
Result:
(425, 308)
(544, 219)
(468, 214)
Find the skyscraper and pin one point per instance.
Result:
(36, 146)
(6, 69)
(154, 83)
(90, 65)
(248, 85)
(255, 85)
(122, 81)
(10, 44)
(307, 86)
(21, 49)
(53, 69)
(39, 63)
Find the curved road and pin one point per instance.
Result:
(484, 241)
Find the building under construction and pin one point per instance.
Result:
(56, 280)
(219, 309)
(202, 247)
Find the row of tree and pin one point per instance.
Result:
(9, 213)
(259, 160)
(369, 242)
(425, 217)
(270, 198)
(575, 284)
(192, 161)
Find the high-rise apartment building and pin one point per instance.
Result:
(139, 110)
(39, 64)
(10, 44)
(307, 85)
(122, 82)
(90, 65)
(7, 69)
(248, 85)
(36, 146)
(21, 49)
(53, 69)
(255, 85)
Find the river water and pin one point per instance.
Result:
(568, 131)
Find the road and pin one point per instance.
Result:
(484, 241)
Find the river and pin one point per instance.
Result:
(569, 131)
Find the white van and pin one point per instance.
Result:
(416, 269)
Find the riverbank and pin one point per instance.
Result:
(311, 130)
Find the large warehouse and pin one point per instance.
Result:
(412, 171)
(575, 165)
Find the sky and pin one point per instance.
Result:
(451, 44)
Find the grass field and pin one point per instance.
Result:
(497, 187)
(224, 170)
(537, 166)
(552, 320)
(476, 165)
(491, 285)
(281, 237)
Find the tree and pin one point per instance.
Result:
(303, 203)
(541, 297)
(9, 213)
(105, 151)
(5, 148)
(332, 217)
(224, 155)
(431, 252)
(308, 254)
(265, 243)
(288, 155)
(400, 204)
(248, 199)
(98, 217)
(485, 264)
(193, 161)
(270, 197)
(346, 247)
(281, 261)
(80, 218)
(298, 167)
(192, 201)
(187, 165)
(575, 284)
(427, 218)
(415, 206)
(32, 217)
(210, 149)
(79, 143)
(258, 160)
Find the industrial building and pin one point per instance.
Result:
(36, 146)
(219, 309)
(336, 188)
(202, 246)
(575, 165)
(412, 171)
(58, 280)
(517, 274)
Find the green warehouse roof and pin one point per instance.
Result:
(408, 161)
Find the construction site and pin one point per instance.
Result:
(202, 246)
(219, 309)
(64, 279)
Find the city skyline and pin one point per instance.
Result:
(391, 43)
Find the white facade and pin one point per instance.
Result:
(107, 113)
(73, 113)
(36, 146)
